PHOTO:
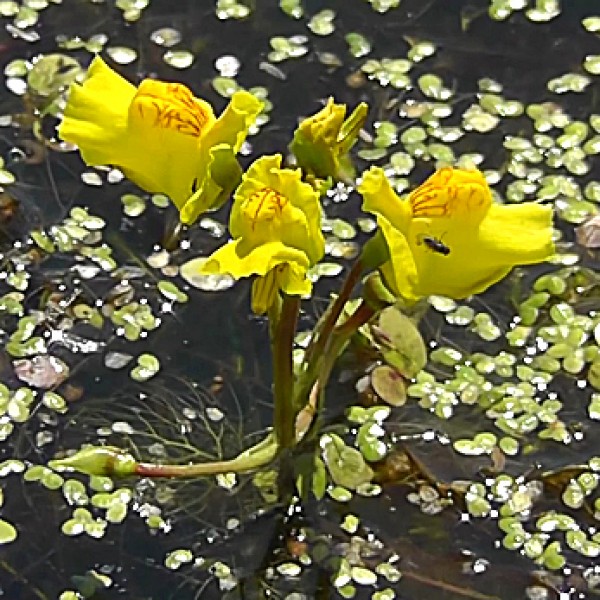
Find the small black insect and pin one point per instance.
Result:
(436, 245)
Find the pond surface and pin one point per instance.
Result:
(489, 487)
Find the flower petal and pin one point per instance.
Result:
(380, 199)
(315, 140)
(400, 272)
(275, 223)
(287, 277)
(161, 136)
(273, 203)
(220, 174)
(454, 241)
(258, 261)
(166, 124)
(232, 126)
(454, 193)
(96, 115)
(322, 141)
(519, 233)
(481, 256)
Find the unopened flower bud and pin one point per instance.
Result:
(97, 460)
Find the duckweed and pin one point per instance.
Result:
(508, 382)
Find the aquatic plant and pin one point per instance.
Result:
(468, 422)
(276, 231)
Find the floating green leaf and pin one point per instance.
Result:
(7, 532)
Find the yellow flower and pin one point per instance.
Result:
(162, 137)
(321, 142)
(448, 237)
(276, 229)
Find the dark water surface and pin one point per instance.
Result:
(213, 335)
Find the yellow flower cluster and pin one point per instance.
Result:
(447, 237)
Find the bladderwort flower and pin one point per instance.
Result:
(322, 141)
(160, 135)
(449, 238)
(275, 224)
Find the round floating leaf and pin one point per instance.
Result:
(11, 465)
(383, 6)
(374, 154)
(475, 118)
(166, 37)
(592, 24)
(160, 200)
(51, 73)
(346, 465)
(432, 86)
(116, 512)
(55, 402)
(293, 8)
(402, 344)
(178, 557)
(225, 86)
(369, 442)
(51, 480)
(74, 492)
(133, 205)
(359, 45)
(170, 291)
(350, 523)
(117, 360)
(178, 59)
(389, 385)
(363, 576)
(122, 55)
(190, 271)
(7, 532)
(570, 82)
(147, 367)
(322, 23)
(387, 593)
(325, 269)
(289, 569)
(552, 558)
(421, 50)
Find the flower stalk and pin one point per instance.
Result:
(336, 344)
(282, 342)
(112, 462)
(320, 339)
(251, 459)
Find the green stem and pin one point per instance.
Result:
(334, 310)
(357, 319)
(258, 456)
(313, 356)
(337, 343)
(282, 345)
